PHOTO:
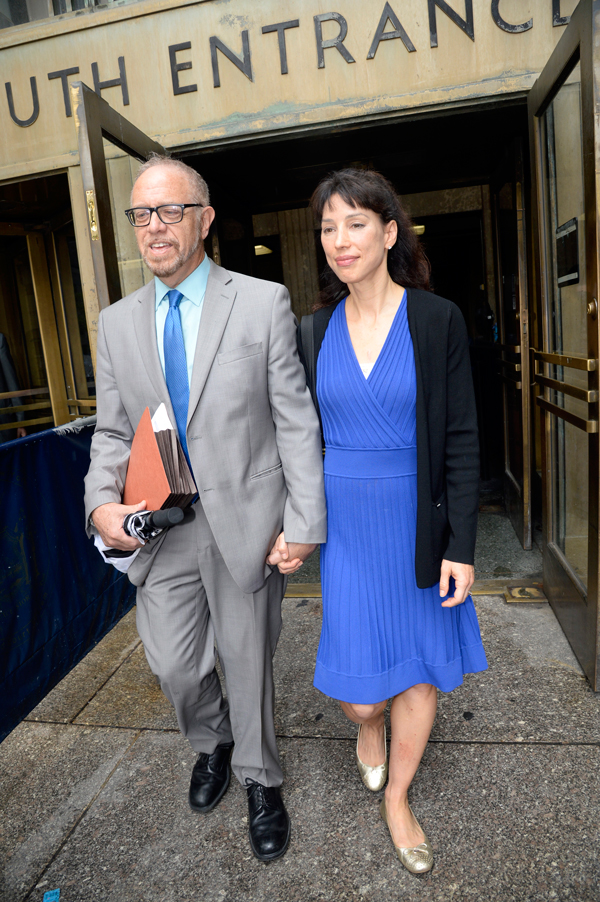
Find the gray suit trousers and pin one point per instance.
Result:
(188, 601)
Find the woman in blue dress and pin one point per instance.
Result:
(394, 390)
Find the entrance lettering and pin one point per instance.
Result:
(36, 104)
(112, 82)
(388, 15)
(243, 63)
(176, 68)
(506, 26)
(63, 74)
(387, 20)
(465, 25)
(281, 28)
(337, 41)
(557, 19)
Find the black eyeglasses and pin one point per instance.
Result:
(167, 213)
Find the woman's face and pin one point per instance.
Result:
(355, 240)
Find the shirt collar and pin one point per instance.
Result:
(193, 288)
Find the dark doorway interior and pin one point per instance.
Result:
(256, 185)
(454, 243)
(47, 361)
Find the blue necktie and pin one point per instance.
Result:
(176, 365)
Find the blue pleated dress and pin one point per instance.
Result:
(381, 634)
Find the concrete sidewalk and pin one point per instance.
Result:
(94, 783)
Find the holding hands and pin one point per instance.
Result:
(288, 556)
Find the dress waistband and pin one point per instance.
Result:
(371, 463)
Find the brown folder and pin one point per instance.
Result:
(158, 471)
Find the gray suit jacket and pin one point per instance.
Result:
(252, 431)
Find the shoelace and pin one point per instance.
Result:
(264, 794)
(204, 757)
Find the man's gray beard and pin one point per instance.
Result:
(169, 269)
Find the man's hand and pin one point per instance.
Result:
(464, 577)
(21, 432)
(288, 557)
(108, 520)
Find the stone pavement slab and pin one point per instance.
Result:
(533, 690)
(131, 698)
(94, 784)
(49, 775)
(70, 696)
(502, 827)
(498, 552)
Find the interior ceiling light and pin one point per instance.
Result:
(261, 249)
(419, 229)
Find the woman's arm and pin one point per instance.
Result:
(462, 463)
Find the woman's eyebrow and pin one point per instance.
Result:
(349, 216)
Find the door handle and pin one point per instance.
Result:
(577, 363)
(589, 426)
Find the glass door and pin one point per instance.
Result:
(563, 109)
(507, 194)
(106, 183)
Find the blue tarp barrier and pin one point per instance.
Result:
(57, 596)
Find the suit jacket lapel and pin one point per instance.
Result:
(218, 302)
(144, 322)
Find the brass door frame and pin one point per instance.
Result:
(95, 119)
(575, 606)
(514, 359)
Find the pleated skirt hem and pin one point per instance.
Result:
(371, 689)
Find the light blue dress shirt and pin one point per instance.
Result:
(193, 290)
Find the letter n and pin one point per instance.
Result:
(465, 25)
(243, 63)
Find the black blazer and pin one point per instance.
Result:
(447, 440)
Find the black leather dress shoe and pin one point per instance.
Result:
(268, 821)
(210, 778)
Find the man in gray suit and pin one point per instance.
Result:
(219, 350)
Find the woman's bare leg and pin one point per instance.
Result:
(371, 749)
(412, 715)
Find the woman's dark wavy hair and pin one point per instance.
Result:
(407, 263)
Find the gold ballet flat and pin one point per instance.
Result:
(417, 860)
(373, 777)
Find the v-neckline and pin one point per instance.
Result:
(383, 347)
